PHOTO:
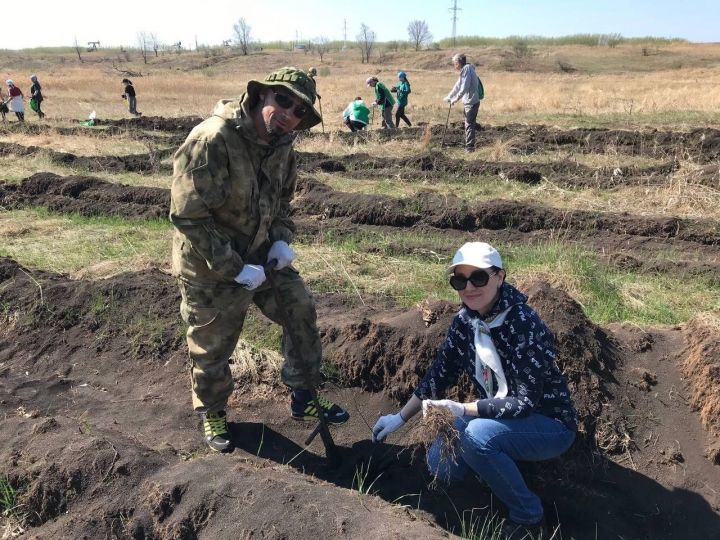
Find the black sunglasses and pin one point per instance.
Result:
(479, 278)
(287, 103)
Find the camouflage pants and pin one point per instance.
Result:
(215, 316)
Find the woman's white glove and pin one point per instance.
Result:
(458, 409)
(251, 276)
(386, 425)
(282, 253)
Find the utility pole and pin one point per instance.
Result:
(454, 10)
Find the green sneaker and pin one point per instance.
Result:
(303, 408)
(217, 434)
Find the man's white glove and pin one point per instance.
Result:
(386, 425)
(458, 409)
(282, 253)
(251, 276)
(447, 99)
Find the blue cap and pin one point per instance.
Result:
(402, 75)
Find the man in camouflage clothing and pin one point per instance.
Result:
(233, 180)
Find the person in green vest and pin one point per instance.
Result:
(402, 90)
(356, 115)
(383, 99)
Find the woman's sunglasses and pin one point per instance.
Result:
(287, 103)
(479, 278)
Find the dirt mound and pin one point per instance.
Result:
(392, 353)
(701, 366)
(180, 125)
(100, 441)
(438, 166)
(87, 196)
(427, 209)
(702, 145)
(149, 162)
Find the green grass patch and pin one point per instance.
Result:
(472, 188)
(410, 267)
(99, 246)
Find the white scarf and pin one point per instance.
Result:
(486, 356)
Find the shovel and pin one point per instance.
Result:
(447, 120)
(332, 455)
(322, 122)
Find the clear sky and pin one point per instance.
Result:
(57, 23)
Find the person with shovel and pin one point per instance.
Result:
(233, 181)
(467, 87)
(384, 100)
(523, 410)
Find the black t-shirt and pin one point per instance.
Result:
(129, 90)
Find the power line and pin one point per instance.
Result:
(454, 10)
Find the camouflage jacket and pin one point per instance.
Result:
(230, 196)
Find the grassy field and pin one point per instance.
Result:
(409, 266)
(673, 84)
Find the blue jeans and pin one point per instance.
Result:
(490, 448)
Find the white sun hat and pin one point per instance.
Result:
(477, 254)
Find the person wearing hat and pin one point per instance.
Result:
(233, 181)
(467, 87)
(36, 96)
(312, 73)
(402, 90)
(16, 103)
(356, 115)
(383, 99)
(523, 410)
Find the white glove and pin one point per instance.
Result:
(386, 425)
(447, 99)
(282, 253)
(251, 276)
(458, 409)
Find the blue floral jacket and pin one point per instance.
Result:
(527, 351)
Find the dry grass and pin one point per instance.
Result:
(89, 248)
(436, 425)
(655, 87)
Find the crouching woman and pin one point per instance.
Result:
(523, 410)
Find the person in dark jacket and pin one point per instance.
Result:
(523, 410)
(131, 97)
(402, 90)
(36, 96)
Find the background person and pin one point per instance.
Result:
(233, 180)
(3, 105)
(356, 115)
(523, 411)
(402, 90)
(383, 99)
(131, 97)
(16, 103)
(36, 96)
(466, 87)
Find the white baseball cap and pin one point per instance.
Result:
(477, 254)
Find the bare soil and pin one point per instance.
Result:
(101, 440)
